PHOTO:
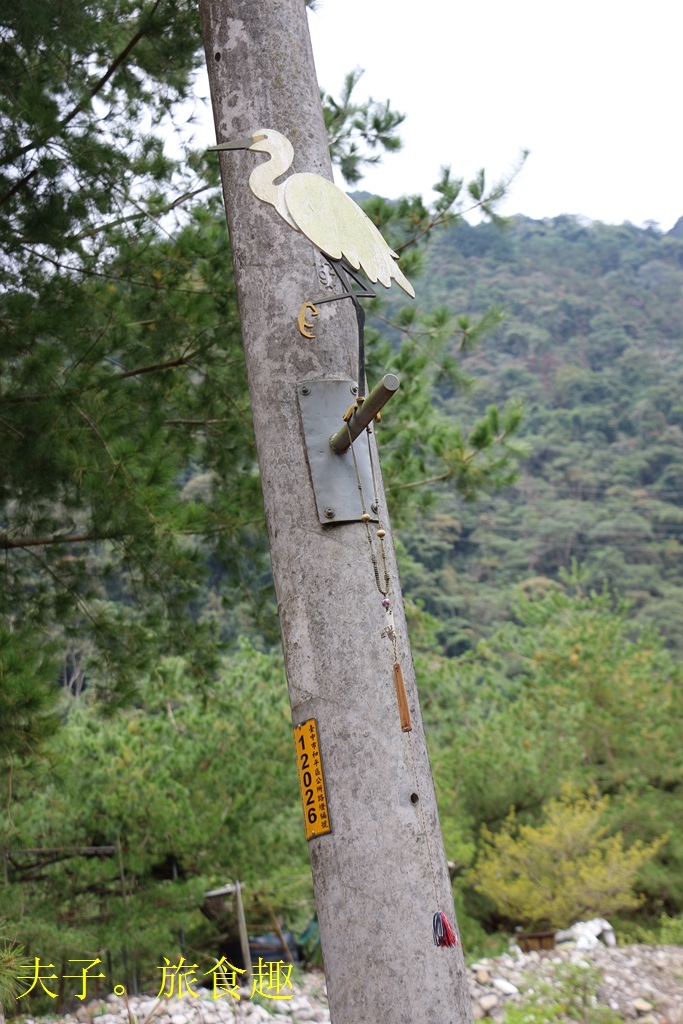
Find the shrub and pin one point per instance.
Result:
(571, 995)
(565, 869)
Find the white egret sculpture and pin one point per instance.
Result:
(335, 225)
(318, 209)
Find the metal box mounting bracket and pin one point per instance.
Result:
(335, 477)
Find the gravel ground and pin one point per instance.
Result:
(641, 983)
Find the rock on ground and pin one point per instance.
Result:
(640, 983)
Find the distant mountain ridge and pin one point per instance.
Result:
(677, 229)
(592, 344)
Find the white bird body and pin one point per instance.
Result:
(318, 209)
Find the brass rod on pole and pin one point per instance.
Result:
(365, 413)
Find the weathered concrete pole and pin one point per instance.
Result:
(381, 873)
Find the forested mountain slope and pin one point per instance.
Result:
(592, 344)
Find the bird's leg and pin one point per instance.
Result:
(344, 271)
(360, 319)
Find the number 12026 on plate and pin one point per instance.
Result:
(311, 779)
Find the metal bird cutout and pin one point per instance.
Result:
(335, 225)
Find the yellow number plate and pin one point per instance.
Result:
(311, 779)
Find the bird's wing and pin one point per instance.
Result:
(338, 227)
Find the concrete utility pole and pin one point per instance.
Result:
(380, 873)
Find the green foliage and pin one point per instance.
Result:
(11, 956)
(191, 788)
(565, 869)
(671, 930)
(27, 701)
(77, 85)
(566, 693)
(355, 130)
(570, 995)
(590, 346)
(414, 459)
(117, 343)
(663, 931)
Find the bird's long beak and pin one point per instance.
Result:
(236, 144)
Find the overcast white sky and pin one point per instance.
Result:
(593, 88)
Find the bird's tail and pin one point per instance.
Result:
(401, 280)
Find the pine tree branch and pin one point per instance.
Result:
(139, 213)
(117, 464)
(9, 795)
(8, 543)
(18, 185)
(434, 223)
(80, 107)
(113, 67)
(80, 601)
(155, 367)
(78, 851)
(156, 285)
(100, 334)
(422, 483)
(20, 399)
(465, 461)
(193, 423)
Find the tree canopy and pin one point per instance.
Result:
(590, 346)
(130, 510)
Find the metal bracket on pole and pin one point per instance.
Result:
(337, 472)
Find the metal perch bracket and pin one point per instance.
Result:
(338, 471)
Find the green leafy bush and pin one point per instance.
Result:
(671, 933)
(564, 869)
